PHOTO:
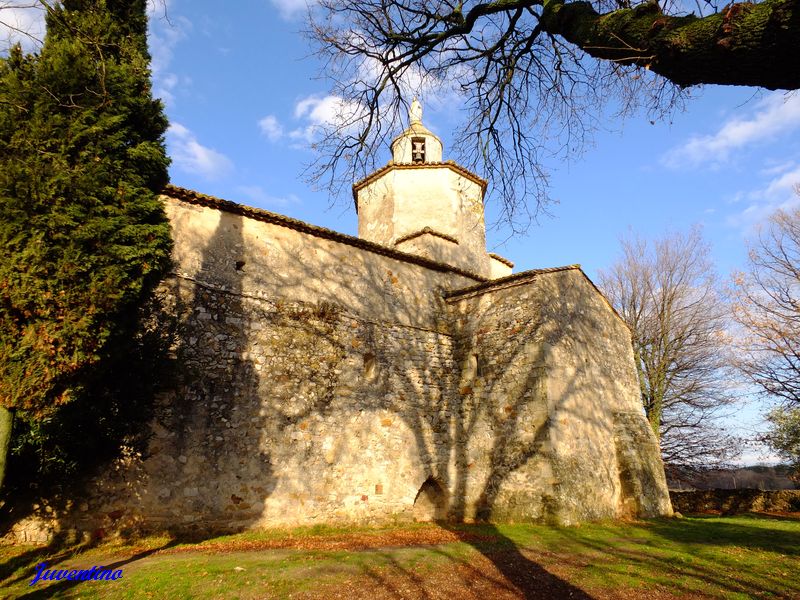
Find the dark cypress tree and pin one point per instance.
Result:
(83, 235)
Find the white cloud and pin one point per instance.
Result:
(435, 92)
(191, 156)
(289, 9)
(777, 192)
(319, 110)
(257, 196)
(164, 86)
(775, 115)
(772, 167)
(271, 127)
(324, 112)
(783, 184)
(758, 456)
(21, 21)
(166, 32)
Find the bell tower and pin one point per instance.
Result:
(421, 205)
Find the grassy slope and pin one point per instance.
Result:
(731, 557)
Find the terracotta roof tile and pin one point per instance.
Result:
(504, 282)
(502, 259)
(423, 231)
(521, 279)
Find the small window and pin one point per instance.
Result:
(369, 366)
(480, 366)
(417, 150)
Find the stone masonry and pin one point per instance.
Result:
(325, 378)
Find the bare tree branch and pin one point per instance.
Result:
(768, 309)
(531, 77)
(22, 22)
(668, 294)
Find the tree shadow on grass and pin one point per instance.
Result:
(392, 584)
(506, 572)
(722, 532)
(55, 552)
(399, 579)
(531, 579)
(49, 590)
(688, 565)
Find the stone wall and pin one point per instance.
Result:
(732, 502)
(312, 384)
(549, 367)
(269, 260)
(289, 413)
(318, 378)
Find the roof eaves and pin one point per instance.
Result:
(448, 164)
(502, 259)
(259, 214)
(522, 279)
(423, 231)
(504, 282)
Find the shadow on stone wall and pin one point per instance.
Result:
(278, 401)
(105, 427)
(343, 364)
(448, 418)
(206, 430)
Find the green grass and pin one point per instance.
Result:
(732, 557)
(719, 557)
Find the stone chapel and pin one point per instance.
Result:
(404, 374)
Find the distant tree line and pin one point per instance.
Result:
(758, 477)
(696, 344)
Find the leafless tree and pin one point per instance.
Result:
(533, 77)
(768, 308)
(668, 293)
(22, 21)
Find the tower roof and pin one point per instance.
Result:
(414, 130)
(408, 153)
(430, 146)
(415, 126)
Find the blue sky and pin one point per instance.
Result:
(243, 97)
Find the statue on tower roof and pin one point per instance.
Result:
(415, 112)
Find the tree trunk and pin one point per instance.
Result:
(6, 422)
(744, 44)
(654, 417)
